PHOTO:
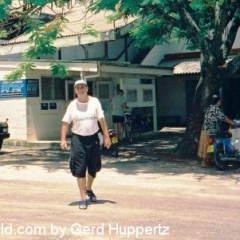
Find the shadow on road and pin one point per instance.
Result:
(150, 156)
(99, 201)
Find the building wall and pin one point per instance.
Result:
(171, 97)
(27, 121)
(237, 41)
(97, 51)
(43, 124)
(74, 52)
(15, 110)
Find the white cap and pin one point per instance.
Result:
(80, 81)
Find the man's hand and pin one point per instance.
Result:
(63, 145)
(107, 141)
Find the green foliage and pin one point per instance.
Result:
(3, 34)
(38, 2)
(104, 4)
(17, 74)
(113, 17)
(59, 70)
(4, 9)
(88, 28)
(193, 21)
(196, 22)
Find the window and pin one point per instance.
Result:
(147, 95)
(131, 95)
(104, 90)
(53, 88)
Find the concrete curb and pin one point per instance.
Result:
(56, 143)
(33, 144)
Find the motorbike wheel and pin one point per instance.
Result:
(220, 165)
(114, 150)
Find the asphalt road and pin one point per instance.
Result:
(141, 195)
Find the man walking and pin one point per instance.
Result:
(83, 113)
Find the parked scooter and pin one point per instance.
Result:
(113, 150)
(225, 148)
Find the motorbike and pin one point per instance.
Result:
(113, 150)
(4, 134)
(224, 148)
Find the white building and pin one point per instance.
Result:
(162, 84)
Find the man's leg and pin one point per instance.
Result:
(90, 180)
(82, 187)
(92, 197)
(93, 157)
(120, 129)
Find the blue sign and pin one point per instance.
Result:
(32, 88)
(20, 88)
(13, 89)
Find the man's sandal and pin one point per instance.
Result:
(83, 204)
(92, 197)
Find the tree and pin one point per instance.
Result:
(209, 26)
(43, 21)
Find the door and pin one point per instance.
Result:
(69, 87)
(104, 95)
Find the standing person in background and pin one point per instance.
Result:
(84, 112)
(118, 106)
(211, 125)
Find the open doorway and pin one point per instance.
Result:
(104, 95)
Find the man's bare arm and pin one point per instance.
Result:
(64, 131)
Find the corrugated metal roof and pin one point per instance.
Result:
(187, 67)
(78, 19)
(181, 66)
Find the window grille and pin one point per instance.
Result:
(53, 88)
(104, 91)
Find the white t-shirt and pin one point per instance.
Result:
(117, 105)
(84, 116)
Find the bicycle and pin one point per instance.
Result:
(132, 127)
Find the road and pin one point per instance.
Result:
(141, 195)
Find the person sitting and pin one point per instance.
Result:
(211, 125)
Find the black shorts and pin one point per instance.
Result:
(85, 151)
(118, 119)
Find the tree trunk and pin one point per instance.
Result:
(189, 143)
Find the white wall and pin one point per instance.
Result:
(15, 110)
(44, 124)
(96, 50)
(135, 85)
(158, 52)
(237, 41)
(26, 119)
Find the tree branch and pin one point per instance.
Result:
(187, 15)
(233, 66)
(228, 43)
